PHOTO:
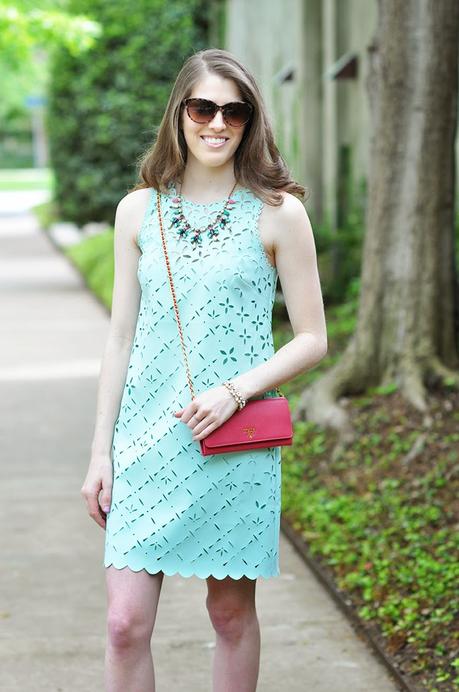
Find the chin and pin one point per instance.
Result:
(212, 160)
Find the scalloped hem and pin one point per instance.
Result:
(171, 573)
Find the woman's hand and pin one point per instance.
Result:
(99, 477)
(207, 411)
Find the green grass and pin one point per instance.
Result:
(47, 213)
(94, 258)
(12, 179)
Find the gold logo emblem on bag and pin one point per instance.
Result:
(250, 432)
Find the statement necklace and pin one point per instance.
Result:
(184, 229)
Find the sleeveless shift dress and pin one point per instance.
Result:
(172, 509)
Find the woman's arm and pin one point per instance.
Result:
(125, 308)
(293, 246)
(296, 262)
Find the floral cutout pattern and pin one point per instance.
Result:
(172, 509)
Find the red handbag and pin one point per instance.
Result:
(260, 423)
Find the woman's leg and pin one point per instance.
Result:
(132, 604)
(231, 606)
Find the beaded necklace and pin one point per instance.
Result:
(184, 228)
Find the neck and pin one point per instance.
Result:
(204, 184)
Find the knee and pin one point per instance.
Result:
(127, 630)
(230, 617)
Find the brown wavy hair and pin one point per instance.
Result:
(258, 164)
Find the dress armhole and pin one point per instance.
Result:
(258, 237)
(146, 216)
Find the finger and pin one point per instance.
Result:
(92, 503)
(106, 497)
(188, 412)
(94, 511)
(203, 424)
(200, 436)
(185, 410)
(184, 413)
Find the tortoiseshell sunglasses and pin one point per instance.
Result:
(202, 111)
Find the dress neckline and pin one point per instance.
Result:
(236, 193)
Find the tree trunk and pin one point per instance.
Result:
(407, 327)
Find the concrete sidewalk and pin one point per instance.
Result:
(52, 602)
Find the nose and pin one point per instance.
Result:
(217, 123)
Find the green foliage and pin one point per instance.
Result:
(28, 33)
(340, 251)
(385, 530)
(94, 259)
(25, 25)
(106, 103)
(47, 214)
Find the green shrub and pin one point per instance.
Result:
(105, 104)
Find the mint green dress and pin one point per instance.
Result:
(172, 509)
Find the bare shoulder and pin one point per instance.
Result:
(291, 211)
(135, 199)
(287, 223)
(130, 211)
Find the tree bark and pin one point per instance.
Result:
(407, 328)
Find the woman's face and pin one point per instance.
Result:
(199, 137)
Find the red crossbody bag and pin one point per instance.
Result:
(260, 423)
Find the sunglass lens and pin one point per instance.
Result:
(237, 114)
(201, 111)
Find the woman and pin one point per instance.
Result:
(233, 224)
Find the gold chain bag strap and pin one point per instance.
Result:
(261, 423)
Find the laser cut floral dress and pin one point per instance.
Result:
(173, 509)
